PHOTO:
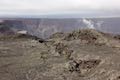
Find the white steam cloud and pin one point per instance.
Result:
(89, 23)
(99, 24)
(47, 31)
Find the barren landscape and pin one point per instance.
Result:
(85, 54)
(59, 39)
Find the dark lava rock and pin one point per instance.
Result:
(83, 64)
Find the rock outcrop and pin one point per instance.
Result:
(62, 57)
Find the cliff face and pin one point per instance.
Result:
(4, 29)
(46, 27)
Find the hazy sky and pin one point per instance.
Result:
(47, 7)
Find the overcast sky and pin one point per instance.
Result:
(55, 7)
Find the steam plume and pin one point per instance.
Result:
(99, 24)
(89, 24)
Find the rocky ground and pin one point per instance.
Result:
(79, 55)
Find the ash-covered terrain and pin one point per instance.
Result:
(85, 54)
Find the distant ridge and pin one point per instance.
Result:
(45, 27)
